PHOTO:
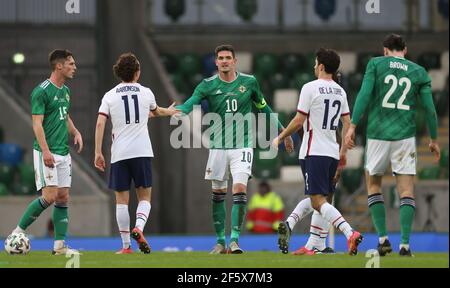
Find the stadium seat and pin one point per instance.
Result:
(265, 64)
(194, 80)
(10, 154)
(246, 9)
(170, 62)
(21, 189)
(26, 175)
(3, 190)
(348, 62)
(180, 84)
(292, 63)
(420, 121)
(174, 8)
(351, 179)
(355, 157)
(430, 60)
(209, 64)
(285, 100)
(278, 81)
(438, 80)
(301, 79)
(189, 64)
(441, 102)
(363, 59)
(444, 62)
(291, 174)
(244, 62)
(443, 162)
(354, 82)
(310, 62)
(6, 174)
(429, 173)
(265, 168)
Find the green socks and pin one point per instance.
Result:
(219, 214)
(238, 212)
(378, 212)
(32, 212)
(60, 220)
(407, 212)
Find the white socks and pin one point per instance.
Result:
(302, 209)
(318, 232)
(142, 212)
(18, 230)
(123, 221)
(333, 216)
(58, 244)
(382, 239)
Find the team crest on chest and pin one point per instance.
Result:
(242, 89)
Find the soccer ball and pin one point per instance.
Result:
(17, 243)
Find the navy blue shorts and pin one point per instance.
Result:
(137, 169)
(318, 172)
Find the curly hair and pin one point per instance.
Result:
(126, 67)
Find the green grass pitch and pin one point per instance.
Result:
(100, 259)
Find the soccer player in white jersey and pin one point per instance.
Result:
(129, 106)
(319, 227)
(322, 102)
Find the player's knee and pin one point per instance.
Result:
(240, 182)
(219, 186)
(239, 188)
(62, 198)
(316, 202)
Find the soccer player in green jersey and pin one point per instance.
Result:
(391, 90)
(229, 93)
(50, 104)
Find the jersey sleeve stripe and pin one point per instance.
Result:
(304, 113)
(154, 109)
(104, 114)
(345, 114)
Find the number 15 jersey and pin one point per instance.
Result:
(323, 102)
(129, 105)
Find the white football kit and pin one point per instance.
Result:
(328, 101)
(128, 105)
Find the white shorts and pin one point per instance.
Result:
(60, 175)
(402, 155)
(223, 161)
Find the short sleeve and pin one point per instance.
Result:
(38, 102)
(104, 108)
(304, 100)
(153, 104)
(345, 109)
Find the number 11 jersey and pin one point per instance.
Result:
(129, 105)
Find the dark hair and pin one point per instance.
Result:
(58, 55)
(126, 66)
(394, 42)
(329, 58)
(265, 184)
(225, 47)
